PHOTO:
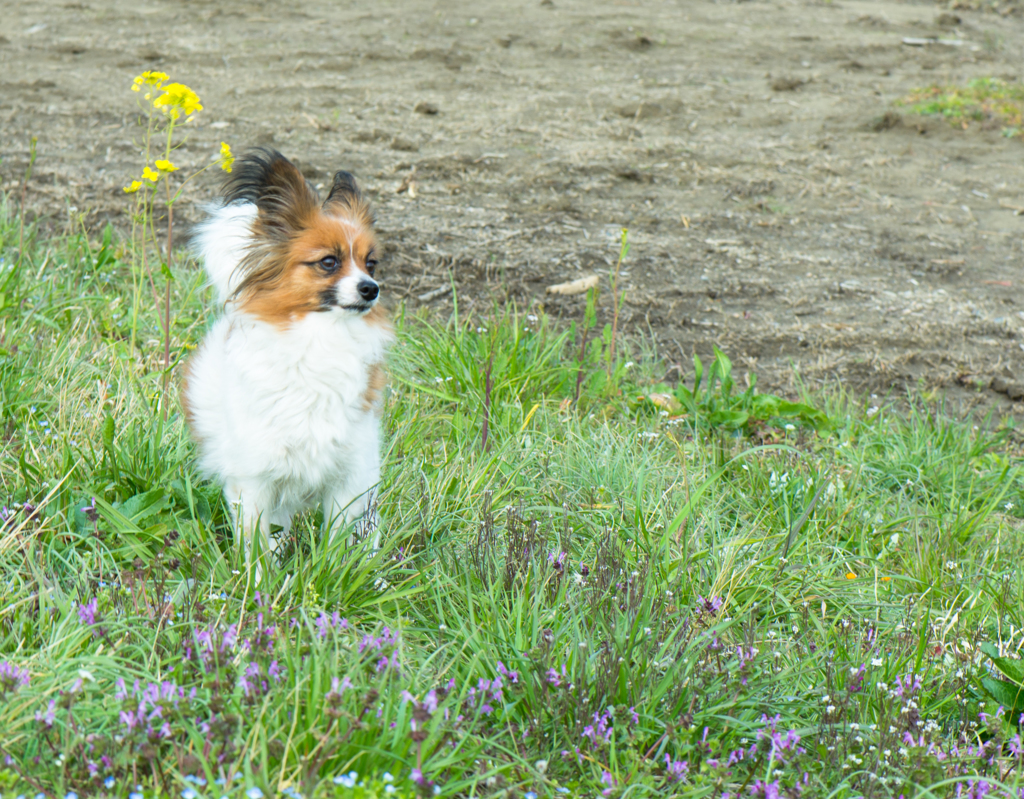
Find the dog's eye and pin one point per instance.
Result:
(329, 264)
(371, 266)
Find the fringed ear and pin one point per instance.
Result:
(275, 185)
(344, 191)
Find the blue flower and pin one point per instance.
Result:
(254, 793)
(109, 782)
(71, 795)
(348, 780)
(135, 795)
(530, 795)
(188, 793)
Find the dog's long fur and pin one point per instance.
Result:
(283, 396)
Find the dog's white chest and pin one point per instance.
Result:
(289, 405)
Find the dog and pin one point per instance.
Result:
(283, 397)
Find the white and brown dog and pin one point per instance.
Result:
(283, 396)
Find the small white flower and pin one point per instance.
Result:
(876, 662)
(541, 766)
(791, 427)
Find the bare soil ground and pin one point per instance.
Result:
(778, 204)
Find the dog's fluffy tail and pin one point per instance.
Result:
(222, 241)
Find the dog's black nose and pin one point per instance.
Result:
(368, 290)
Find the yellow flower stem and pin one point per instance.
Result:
(136, 287)
(167, 276)
(145, 208)
(196, 174)
(167, 303)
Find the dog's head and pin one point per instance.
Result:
(306, 256)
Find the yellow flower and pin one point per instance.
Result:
(150, 78)
(226, 157)
(178, 97)
(133, 187)
(149, 174)
(851, 576)
(165, 166)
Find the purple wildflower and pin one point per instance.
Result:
(90, 511)
(765, 790)
(555, 680)
(783, 747)
(511, 676)
(676, 769)
(327, 623)
(12, 678)
(907, 686)
(230, 637)
(87, 612)
(708, 607)
(976, 789)
(50, 716)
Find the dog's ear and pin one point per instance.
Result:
(275, 186)
(344, 191)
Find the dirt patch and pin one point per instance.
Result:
(778, 205)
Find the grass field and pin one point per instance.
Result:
(706, 593)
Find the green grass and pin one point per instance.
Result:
(651, 585)
(981, 100)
